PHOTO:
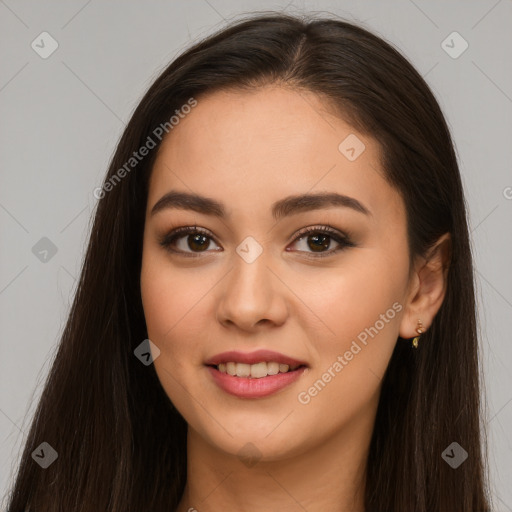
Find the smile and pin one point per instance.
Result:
(255, 371)
(255, 374)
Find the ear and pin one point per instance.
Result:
(427, 287)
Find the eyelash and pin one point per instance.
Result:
(167, 240)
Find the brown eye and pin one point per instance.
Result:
(318, 242)
(197, 242)
(319, 239)
(188, 241)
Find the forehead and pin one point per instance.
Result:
(250, 148)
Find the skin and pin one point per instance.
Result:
(248, 150)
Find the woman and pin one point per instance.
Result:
(276, 309)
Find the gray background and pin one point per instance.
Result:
(61, 118)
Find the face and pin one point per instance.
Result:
(254, 279)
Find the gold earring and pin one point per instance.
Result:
(420, 331)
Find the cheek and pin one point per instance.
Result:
(351, 298)
(171, 296)
(360, 309)
(170, 301)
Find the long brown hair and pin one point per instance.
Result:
(121, 444)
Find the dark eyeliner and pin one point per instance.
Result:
(342, 239)
(167, 240)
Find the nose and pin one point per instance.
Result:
(251, 296)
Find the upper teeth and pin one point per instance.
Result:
(255, 371)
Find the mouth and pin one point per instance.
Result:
(255, 371)
(256, 374)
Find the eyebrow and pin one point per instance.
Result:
(290, 205)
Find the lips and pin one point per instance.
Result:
(258, 356)
(233, 372)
